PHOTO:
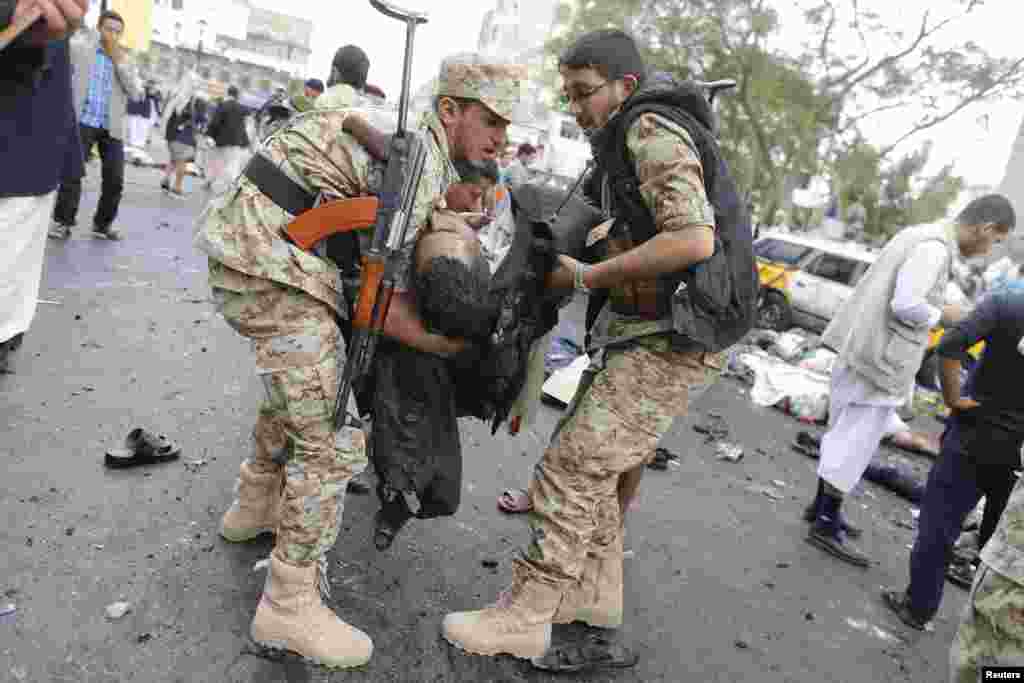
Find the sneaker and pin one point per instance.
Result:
(106, 233)
(59, 231)
(174, 194)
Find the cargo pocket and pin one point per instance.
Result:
(903, 348)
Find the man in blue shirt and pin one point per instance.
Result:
(980, 447)
(104, 82)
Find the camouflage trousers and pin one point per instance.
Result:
(992, 627)
(297, 345)
(625, 403)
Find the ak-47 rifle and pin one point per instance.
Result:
(406, 158)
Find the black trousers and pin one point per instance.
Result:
(955, 485)
(70, 194)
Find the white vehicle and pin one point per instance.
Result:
(805, 280)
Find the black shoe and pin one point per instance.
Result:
(59, 231)
(961, 574)
(590, 652)
(844, 524)
(826, 536)
(165, 185)
(107, 233)
(900, 605)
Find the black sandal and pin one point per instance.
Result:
(589, 653)
(142, 448)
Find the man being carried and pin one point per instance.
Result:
(286, 300)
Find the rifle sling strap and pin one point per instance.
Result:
(311, 223)
(278, 187)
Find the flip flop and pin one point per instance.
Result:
(514, 501)
(142, 447)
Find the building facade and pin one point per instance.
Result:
(228, 42)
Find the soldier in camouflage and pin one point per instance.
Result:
(992, 627)
(286, 301)
(639, 381)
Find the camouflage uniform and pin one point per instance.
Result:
(628, 398)
(285, 299)
(992, 627)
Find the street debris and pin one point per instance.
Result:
(789, 345)
(715, 429)
(262, 565)
(729, 451)
(766, 491)
(741, 644)
(7, 612)
(143, 638)
(865, 627)
(117, 610)
(662, 458)
(489, 563)
(195, 465)
(48, 302)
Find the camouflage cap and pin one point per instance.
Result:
(497, 85)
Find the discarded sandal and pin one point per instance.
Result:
(589, 653)
(142, 448)
(514, 501)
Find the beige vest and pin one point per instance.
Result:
(868, 336)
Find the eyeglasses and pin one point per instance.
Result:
(582, 95)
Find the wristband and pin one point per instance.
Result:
(579, 271)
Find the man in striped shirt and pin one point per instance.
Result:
(104, 81)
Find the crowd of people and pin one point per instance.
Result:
(443, 357)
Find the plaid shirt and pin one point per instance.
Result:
(96, 110)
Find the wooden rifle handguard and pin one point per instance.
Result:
(332, 218)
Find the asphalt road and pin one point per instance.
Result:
(721, 585)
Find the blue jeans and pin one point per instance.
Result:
(955, 485)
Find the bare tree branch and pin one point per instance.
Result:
(981, 94)
(852, 121)
(826, 37)
(858, 74)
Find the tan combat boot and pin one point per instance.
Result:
(257, 508)
(292, 616)
(519, 624)
(597, 598)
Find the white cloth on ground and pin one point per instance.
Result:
(24, 222)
